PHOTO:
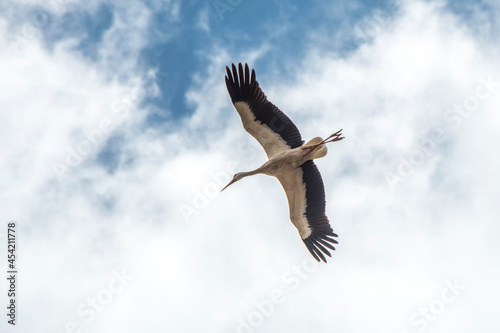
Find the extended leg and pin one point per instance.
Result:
(332, 138)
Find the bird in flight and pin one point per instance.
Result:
(289, 159)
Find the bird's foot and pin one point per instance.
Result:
(334, 137)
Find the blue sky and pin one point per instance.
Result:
(118, 134)
(178, 47)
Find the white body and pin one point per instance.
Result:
(284, 165)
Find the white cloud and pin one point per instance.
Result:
(396, 247)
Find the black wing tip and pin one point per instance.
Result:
(310, 247)
(240, 83)
(239, 67)
(235, 73)
(316, 243)
(239, 75)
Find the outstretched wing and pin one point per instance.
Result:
(262, 119)
(306, 198)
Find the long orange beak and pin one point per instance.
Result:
(232, 181)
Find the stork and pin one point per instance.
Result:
(289, 159)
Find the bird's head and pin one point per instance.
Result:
(236, 177)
